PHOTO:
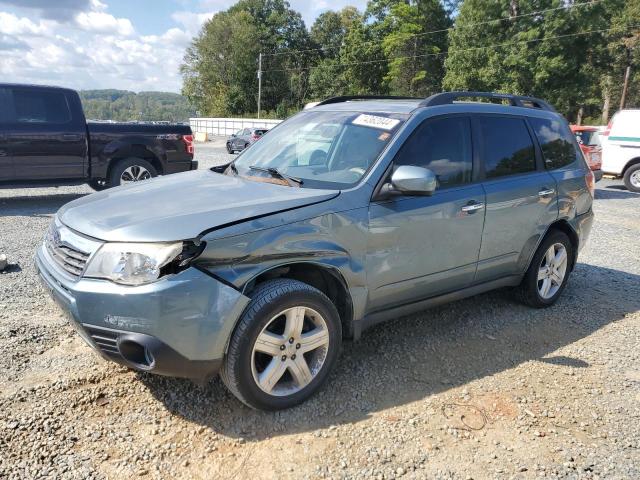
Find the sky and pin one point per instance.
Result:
(133, 45)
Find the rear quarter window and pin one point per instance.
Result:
(41, 106)
(557, 143)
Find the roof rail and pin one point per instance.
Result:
(348, 98)
(447, 98)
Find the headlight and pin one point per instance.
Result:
(132, 263)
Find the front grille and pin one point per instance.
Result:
(106, 340)
(66, 256)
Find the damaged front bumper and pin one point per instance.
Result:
(178, 326)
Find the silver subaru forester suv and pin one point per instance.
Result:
(352, 212)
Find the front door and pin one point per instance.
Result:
(521, 196)
(46, 140)
(419, 246)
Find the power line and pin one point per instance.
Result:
(451, 51)
(421, 34)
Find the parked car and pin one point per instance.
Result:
(243, 138)
(346, 215)
(44, 137)
(589, 140)
(621, 150)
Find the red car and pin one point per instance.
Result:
(589, 140)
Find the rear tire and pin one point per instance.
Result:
(548, 274)
(131, 170)
(632, 178)
(284, 346)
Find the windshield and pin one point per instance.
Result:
(322, 149)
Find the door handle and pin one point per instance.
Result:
(546, 192)
(473, 207)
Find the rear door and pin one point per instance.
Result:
(563, 160)
(6, 162)
(521, 196)
(421, 246)
(47, 137)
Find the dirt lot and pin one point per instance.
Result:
(482, 388)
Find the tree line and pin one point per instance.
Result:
(123, 105)
(572, 53)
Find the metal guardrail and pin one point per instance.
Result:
(227, 126)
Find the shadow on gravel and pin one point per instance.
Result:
(35, 206)
(614, 192)
(418, 356)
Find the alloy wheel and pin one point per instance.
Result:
(634, 179)
(290, 351)
(552, 271)
(135, 173)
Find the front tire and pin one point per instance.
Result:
(229, 149)
(549, 271)
(98, 185)
(131, 170)
(632, 178)
(284, 346)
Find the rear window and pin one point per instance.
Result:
(40, 106)
(508, 147)
(556, 141)
(590, 139)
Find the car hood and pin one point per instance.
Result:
(181, 206)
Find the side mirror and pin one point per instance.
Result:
(411, 180)
(233, 135)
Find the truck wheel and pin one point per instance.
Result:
(284, 346)
(549, 271)
(632, 178)
(98, 185)
(131, 170)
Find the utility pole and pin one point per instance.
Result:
(625, 87)
(259, 82)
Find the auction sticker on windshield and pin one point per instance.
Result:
(374, 121)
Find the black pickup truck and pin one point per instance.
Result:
(44, 138)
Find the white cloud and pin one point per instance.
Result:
(14, 25)
(104, 23)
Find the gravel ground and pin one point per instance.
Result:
(482, 388)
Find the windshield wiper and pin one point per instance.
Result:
(276, 173)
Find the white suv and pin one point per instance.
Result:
(621, 150)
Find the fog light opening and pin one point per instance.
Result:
(137, 354)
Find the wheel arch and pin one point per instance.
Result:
(135, 151)
(565, 227)
(630, 163)
(328, 279)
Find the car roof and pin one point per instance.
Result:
(31, 85)
(584, 128)
(410, 106)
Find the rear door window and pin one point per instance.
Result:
(443, 145)
(41, 106)
(556, 142)
(508, 147)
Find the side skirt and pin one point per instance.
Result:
(392, 313)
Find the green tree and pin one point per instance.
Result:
(220, 66)
(414, 41)
(546, 54)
